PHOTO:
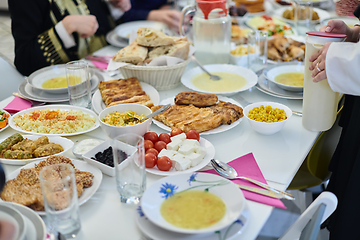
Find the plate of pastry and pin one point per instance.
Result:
(209, 113)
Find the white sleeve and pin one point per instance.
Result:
(66, 38)
(116, 13)
(343, 67)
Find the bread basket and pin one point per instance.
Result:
(160, 77)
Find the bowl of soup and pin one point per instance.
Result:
(288, 76)
(52, 79)
(193, 203)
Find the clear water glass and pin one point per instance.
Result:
(78, 81)
(59, 190)
(257, 44)
(129, 162)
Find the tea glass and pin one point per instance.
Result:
(257, 43)
(129, 164)
(59, 191)
(78, 81)
(303, 15)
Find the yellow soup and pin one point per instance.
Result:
(60, 82)
(294, 79)
(193, 209)
(229, 82)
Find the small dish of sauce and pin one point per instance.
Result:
(84, 146)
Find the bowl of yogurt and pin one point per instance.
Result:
(84, 146)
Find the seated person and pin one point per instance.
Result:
(154, 10)
(54, 32)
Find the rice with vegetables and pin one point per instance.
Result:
(54, 121)
(122, 119)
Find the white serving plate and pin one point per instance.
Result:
(67, 144)
(266, 86)
(98, 104)
(271, 72)
(54, 107)
(322, 15)
(155, 232)
(37, 78)
(210, 153)
(26, 90)
(250, 22)
(124, 30)
(81, 165)
(154, 196)
(219, 129)
(13, 216)
(35, 226)
(250, 76)
(115, 40)
(8, 120)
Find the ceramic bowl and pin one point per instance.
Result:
(166, 187)
(106, 169)
(113, 131)
(265, 127)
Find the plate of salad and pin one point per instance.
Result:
(273, 25)
(4, 120)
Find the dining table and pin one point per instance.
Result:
(278, 156)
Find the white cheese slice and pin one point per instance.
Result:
(167, 153)
(195, 158)
(174, 144)
(181, 136)
(192, 142)
(186, 149)
(201, 150)
(180, 162)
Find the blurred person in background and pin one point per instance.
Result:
(53, 32)
(338, 62)
(154, 10)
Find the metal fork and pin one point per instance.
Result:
(245, 103)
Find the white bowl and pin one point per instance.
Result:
(84, 146)
(163, 188)
(271, 72)
(140, 129)
(160, 77)
(91, 153)
(265, 127)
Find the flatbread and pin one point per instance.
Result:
(132, 53)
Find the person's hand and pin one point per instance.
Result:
(124, 5)
(85, 25)
(338, 26)
(317, 65)
(169, 17)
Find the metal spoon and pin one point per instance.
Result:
(157, 112)
(212, 77)
(229, 172)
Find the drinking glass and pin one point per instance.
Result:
(303, 15)
(78, 80)
(60, 199)
(257, 43)
(129, 163)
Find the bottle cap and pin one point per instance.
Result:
(207, 6)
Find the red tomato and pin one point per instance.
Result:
(176, 131)
(153, 151)
(148, 144)
(150, 160)
(164, 137)
(159, 145)
(164, 163)
(152, 136)
(193, 134)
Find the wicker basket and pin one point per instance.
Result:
(160, 77)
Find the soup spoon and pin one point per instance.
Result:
(212, 76)
(229, 172)
(157, 112)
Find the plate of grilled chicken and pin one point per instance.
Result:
(206, 113)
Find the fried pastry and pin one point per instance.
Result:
(196, 99)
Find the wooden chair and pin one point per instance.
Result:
(307, 226)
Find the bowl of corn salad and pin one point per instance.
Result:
(119, 119)
(267, 117)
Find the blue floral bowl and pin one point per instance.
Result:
(166, 187)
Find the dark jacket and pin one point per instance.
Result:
(140, 9)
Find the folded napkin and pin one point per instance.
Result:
(101, 65)
(16, 105)
(246, 166)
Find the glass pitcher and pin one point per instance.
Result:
(211, 30)
(319, 100)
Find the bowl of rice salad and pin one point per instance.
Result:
(61, 120)
(117, 119)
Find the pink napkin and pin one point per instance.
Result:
(16, 105)
(247, 166)
(102, 65)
